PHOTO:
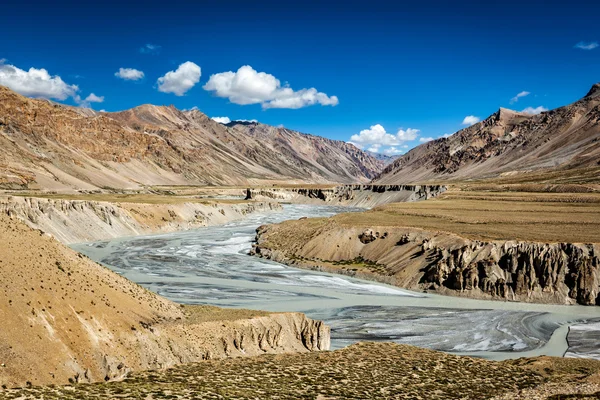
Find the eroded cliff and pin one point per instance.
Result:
(73, 221)
(442, 262)
(349, 195)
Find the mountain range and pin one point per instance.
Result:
(57, 147)
(507, 143)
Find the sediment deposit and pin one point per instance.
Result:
(73, 221)
(349, 195)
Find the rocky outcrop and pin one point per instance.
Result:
(73, 221)
(515, 270)
(349, 195)
(563, 273)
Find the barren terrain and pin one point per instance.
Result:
(540, 247)
(361, 371)
(68, 319)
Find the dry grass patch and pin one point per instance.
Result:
(541, 217)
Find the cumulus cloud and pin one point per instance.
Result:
(374, 148)
(377, 134)
(426, 139)
(181, 80)
(87, 102)
(247, 86)
(40, 84)
(35, 83)
(518, 96)
(470, 120)
(587, 45)
(150, 49)
(129, 74)
(377, 140)
(536, 110)
(246, 120)
(392, 151)
(221, 120)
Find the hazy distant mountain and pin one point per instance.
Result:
(507, 142)
(382, 157)
(53, 146)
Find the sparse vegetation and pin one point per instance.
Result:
(361, 371)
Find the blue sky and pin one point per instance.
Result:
(399, 72)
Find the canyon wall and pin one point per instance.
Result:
(563, 273)
(73, 221)
(349, 195)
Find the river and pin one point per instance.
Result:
(211, 266)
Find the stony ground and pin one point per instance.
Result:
(362, 371)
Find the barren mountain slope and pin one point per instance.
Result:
(293, 153)
(566, 138)
(65, 318)
(52, 146)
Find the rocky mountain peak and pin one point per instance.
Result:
(505, 114)
(594, 91)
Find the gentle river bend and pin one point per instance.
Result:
(211, 266)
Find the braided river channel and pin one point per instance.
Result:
(211, 266)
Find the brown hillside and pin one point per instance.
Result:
(52, 146)
(66, 318)
(509, 144)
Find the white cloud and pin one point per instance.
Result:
(587, 45)
(92, 98)
(426, 139)
(221, 120)
(150, 49)
(129, 74)
(392, 151)
(245, 120)
(518, 96)
(380, 141)
(247, 86)
(374, 148)
(35, 83)
(447, 135)
(406, 135)
(376, 134)
(536, 110)
(40, 84)
(470, 120)
(181, 80)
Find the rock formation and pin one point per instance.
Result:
(73, 221)
(349, 195)
(564, 273)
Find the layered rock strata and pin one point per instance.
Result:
(349, 195)
(564, 273)
(73, 221)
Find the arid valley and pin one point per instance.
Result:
(199, 227)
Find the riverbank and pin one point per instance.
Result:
(86, 218)
(68, 319)
(212, 266)
(533, 247)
